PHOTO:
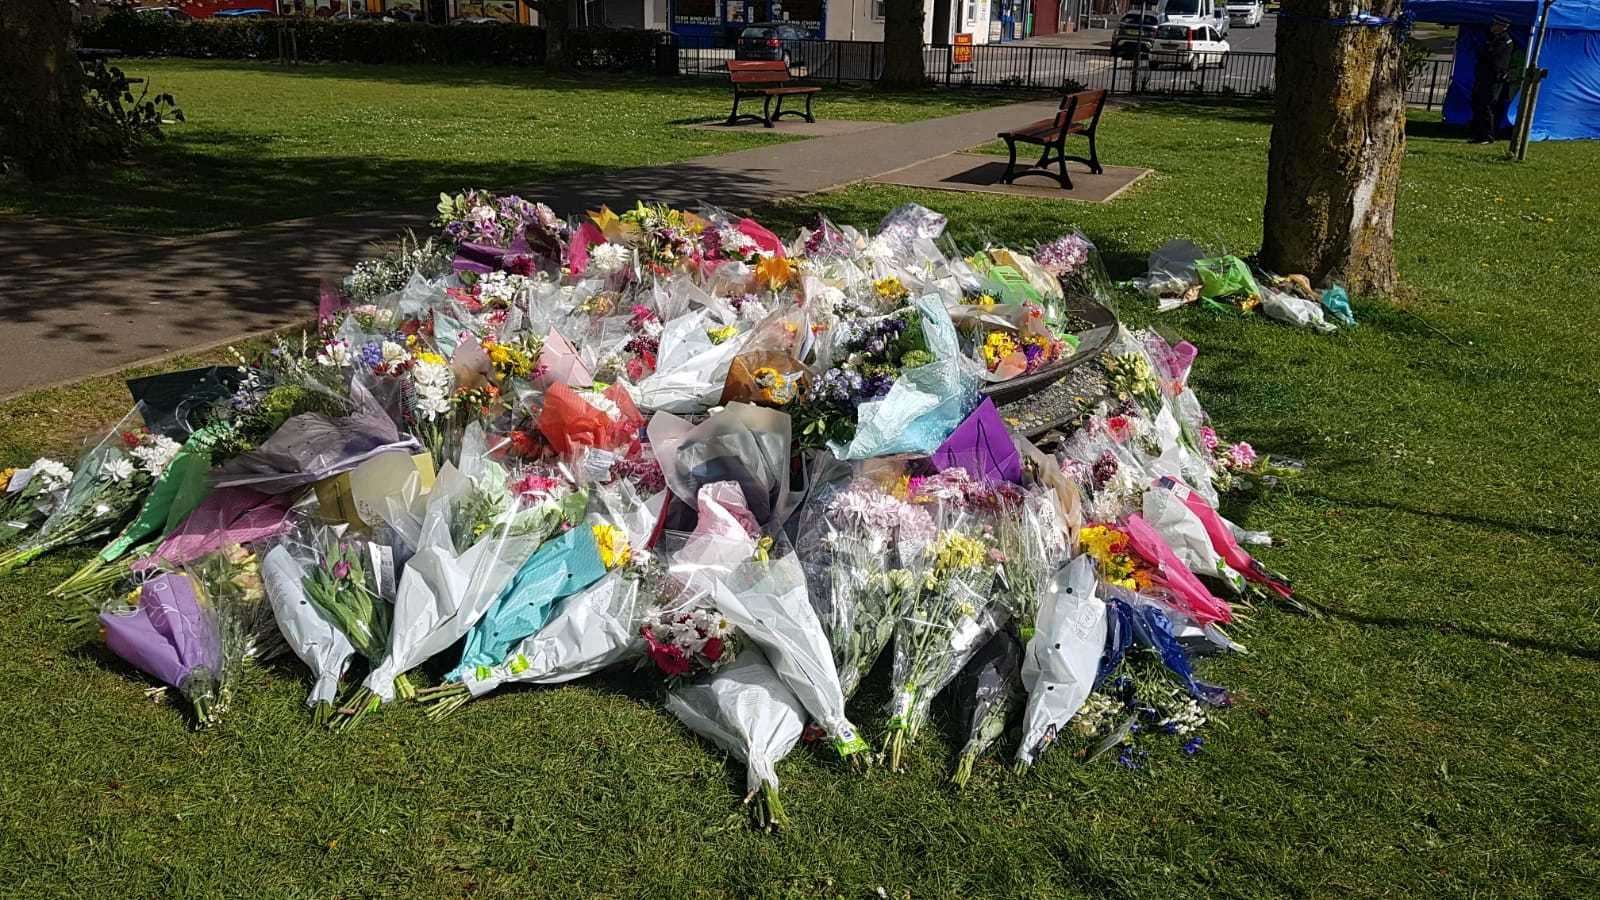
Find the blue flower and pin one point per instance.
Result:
(1193, 745)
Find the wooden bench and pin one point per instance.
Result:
(1078, 114)
(766, 79)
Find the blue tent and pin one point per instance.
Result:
(1569, 99)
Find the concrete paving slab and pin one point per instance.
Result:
(795, 127)
(981, 173)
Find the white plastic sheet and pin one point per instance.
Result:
(1063, 656)
(321, 646)
(748, 711)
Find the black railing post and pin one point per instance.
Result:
(1030, 67)
(1433, 80)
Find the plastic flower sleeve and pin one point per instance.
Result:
(748, 711)
(1183, 531)
(1221, 534)
(926, 403)
(766, 600)
(1063, 657)
(746, 444)
(561, 567)
(443, 592)
(1189, 595)
(322, 647)
(1154, 630)
(312, 446)
(985, 695)
(228, 516)
(948, 621)
(691, 368)
(591, 630)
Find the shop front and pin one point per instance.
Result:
(720, 21)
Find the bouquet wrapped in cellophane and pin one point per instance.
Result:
(849, 540)
(111, 481)
(747, 710)
(331, 591)
(765, 599)
(948, 621)
(193, 630)
(1063, 655)
(28, 496)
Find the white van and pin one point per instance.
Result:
(1197, 14)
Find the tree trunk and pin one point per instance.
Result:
(42, 112)
(1337, 139)
(902, 43)
(554, 17)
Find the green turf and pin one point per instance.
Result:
(1431, 736)
(264, 142)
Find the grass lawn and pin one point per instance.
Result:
(265, 142)
(1431, 735)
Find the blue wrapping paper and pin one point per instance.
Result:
(563, 566)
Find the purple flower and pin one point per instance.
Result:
(341, 569)
(1193, 745)
(1105, 469)
(1132, 758)
(371, 355)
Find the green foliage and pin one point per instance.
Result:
(124, 120)
(367, 41)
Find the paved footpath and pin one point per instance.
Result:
(77, 302)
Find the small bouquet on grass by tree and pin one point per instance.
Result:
(111, 481)
(747, 710)
(28, 496)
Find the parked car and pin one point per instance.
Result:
(770, 40)
(251, 13)
(1134, 35)
(1246, 13)
(1189, 46)
(164, 12)
(1196, 13)
(478, 20)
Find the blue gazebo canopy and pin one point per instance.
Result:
(1569, 99)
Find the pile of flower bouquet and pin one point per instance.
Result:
(524, 450)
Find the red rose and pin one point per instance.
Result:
(520, 265)
(713, 649)
(670, 660)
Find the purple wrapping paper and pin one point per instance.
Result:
(311, 446)
(236, 515)
(168, 635)
(982, 445)
(483, 258)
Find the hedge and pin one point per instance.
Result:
(368, 41)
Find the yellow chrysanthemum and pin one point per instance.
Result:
(955, 551)
(431, 358)
(889, 288)
(718, 335)
(612, 542)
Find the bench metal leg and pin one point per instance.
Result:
(766, 110)
(813, 119)
(1061, 161)
(1094, 156)
(734, 117)
(1011, 167)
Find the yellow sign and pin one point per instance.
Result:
(961, 53)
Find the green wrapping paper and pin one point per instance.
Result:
(182, 487)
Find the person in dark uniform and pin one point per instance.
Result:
(1491, 80)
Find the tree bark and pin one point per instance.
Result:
(1337, 140)
(554, 17)
(902, 43)
(43, 117)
